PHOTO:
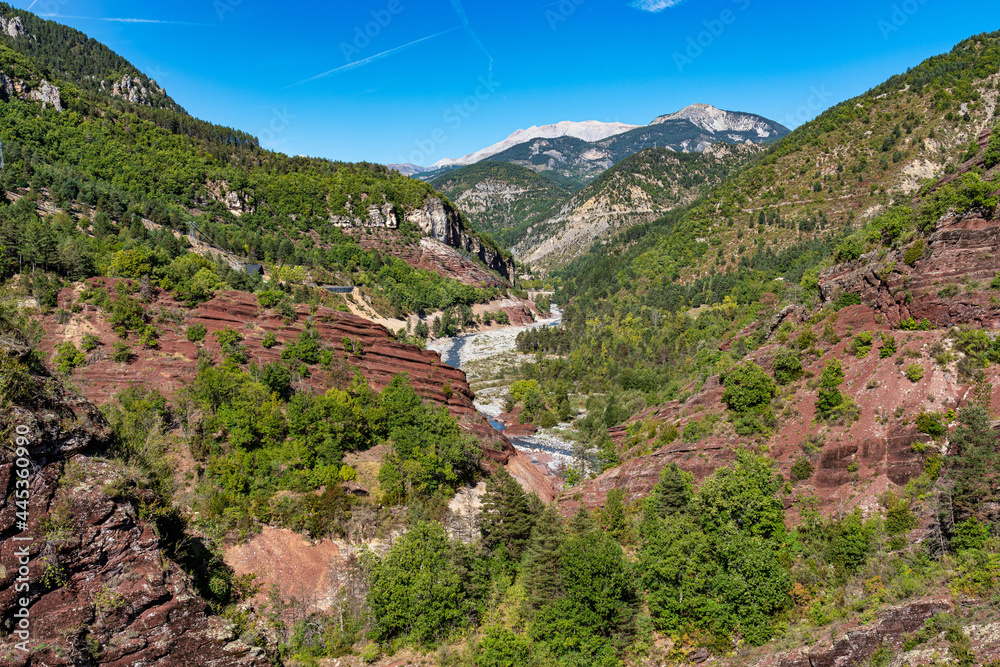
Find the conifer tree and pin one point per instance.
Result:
(507, 521)
(543, 569)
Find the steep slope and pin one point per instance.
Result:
(104, 587)
(638, 189)
(125, 158)
(500, 198)
(853, 162)
(173, 363)
(904, 300)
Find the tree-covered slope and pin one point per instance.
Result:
(110, 164)
(858, 159)
(501, 198)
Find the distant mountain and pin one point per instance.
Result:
(503, 199)
(576, 160)
(409, 169)
(590, 130)
(639, 189)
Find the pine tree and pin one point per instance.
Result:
(542, 567)
(672, 494)
(507, 520)
(975, 464)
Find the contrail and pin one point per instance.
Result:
(457, 6)
(124, 20)
(33, 3)
(377, 56)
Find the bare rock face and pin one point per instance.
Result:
(860, 645)
(445, 225)
(47, 94)
(101, 591)
(960, 250)
(13, 27)
(132, 90)
(44, 92)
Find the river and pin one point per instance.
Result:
(479, 352)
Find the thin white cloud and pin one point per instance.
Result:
(655, 6)
(371, 59)
(460, 11)
(124, 20)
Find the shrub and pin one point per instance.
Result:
(889, 346)
(847, 299)
(948, 291)
(862, 344)
(270, 298)
(910, 324)
(90, 342)
(914, 252)
(787, 367)
(121, 353)
(991, 157)
(270, 340)
(930, 423)
(829, 397)
(801, 469)
(914, 372)
(748, 395)
(67, 357)
(548, 419)
(196, 333)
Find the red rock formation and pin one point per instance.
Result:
(111, 597)
(962, 249)
(856, 461)
(174, 364)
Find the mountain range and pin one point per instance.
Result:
(548, 224)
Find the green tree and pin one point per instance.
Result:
(416, 591)
(829, 398)
(506, 519)
(542, 564)
(748, 393)
(743, 497)
(974, 465)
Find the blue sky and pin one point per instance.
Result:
(442, 78)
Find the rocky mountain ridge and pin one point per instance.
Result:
(590, 130)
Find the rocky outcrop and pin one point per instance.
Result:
(445, 224)
(131, 90)
(13, 27)
(47, 94)
(947, 285)
(44, 92)
(100, 589)
(858, 646)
